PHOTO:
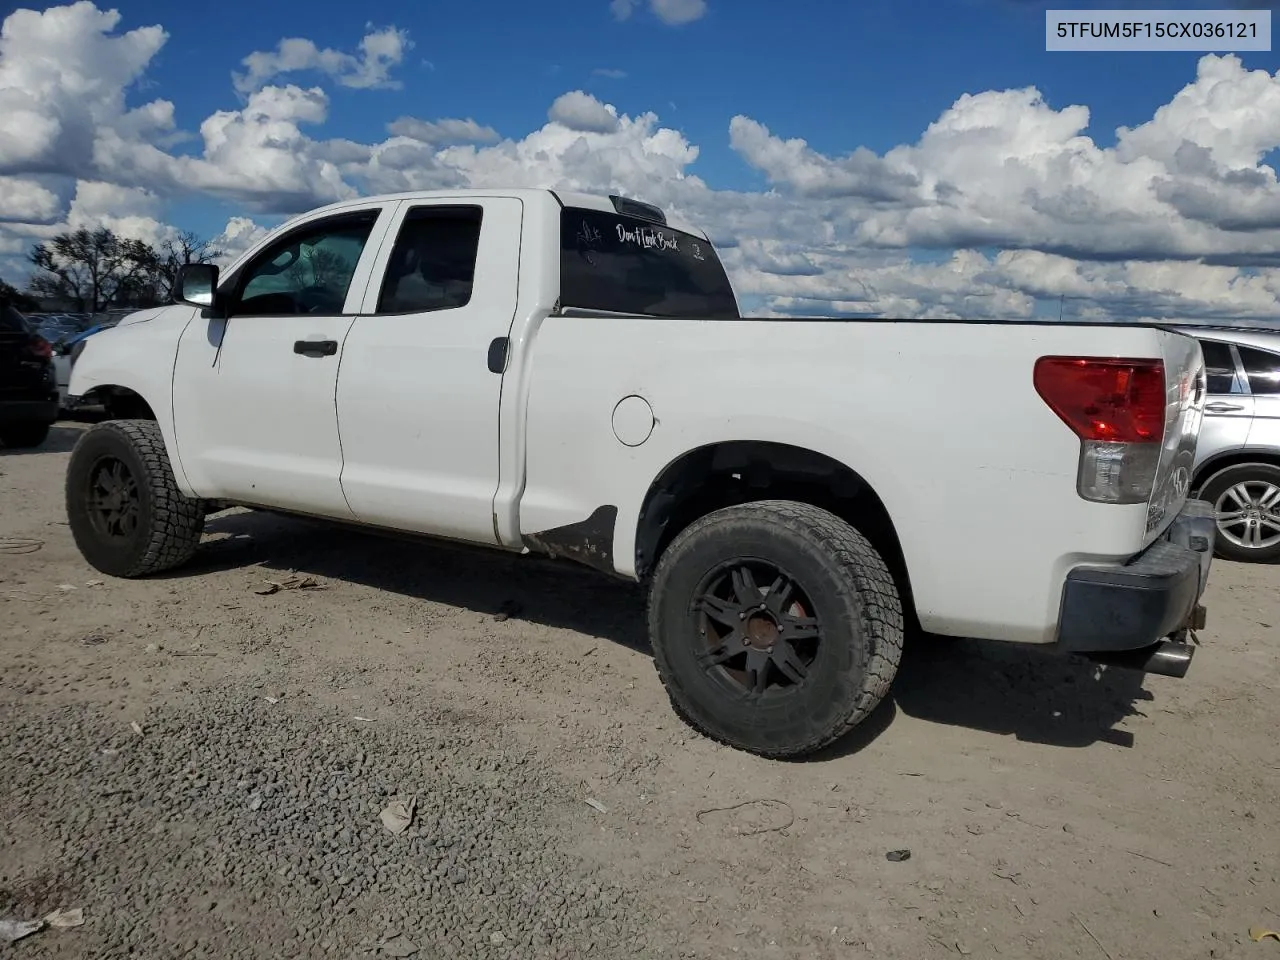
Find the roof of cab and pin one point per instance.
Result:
(568, 198)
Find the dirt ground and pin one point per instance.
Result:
(1052, 809)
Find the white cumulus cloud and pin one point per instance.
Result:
(236, 237)
(381, 51)
(673, 12)
(581, 111)
(442, 131)
(63, 76)
(1018, 208)
(27, 200)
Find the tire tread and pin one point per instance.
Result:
(874, 593)
(177, 521)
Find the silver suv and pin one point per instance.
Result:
(1238, 460)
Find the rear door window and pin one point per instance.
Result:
(433, 264)
(622, 264)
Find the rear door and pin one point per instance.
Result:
(421, 375)
(1228, 409)
(1262, 368)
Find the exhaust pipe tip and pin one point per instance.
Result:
(1168, 658)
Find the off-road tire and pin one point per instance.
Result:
(854, 599)
(24, 436)
(1224, 480)
(169, 525)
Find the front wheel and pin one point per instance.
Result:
(126, 513)
(1246, 504)
(776, 627)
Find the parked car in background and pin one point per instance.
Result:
(28, 391)
(56, 327)
(65, 355)
(67, 333)
(1237, 466)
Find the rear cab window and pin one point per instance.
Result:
(615, 263)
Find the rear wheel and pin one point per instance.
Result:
(1246, 504)
(127, 516)
(776, 627)
(24, 435)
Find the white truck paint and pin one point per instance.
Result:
(532, 414)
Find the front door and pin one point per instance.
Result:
(419, 391)
(254, 393)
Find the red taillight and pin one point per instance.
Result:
(1112, 401)
(40, 348)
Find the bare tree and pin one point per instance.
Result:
(96, 269)
(176, 252)
(91, 268)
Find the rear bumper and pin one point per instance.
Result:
(1153, 596)
(29, 411)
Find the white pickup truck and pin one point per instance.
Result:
(569, 375)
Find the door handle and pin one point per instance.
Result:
(315, 348)
(1223, 407)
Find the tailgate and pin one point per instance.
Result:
(1185, 389)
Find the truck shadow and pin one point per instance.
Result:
(998, 688)
(548, 592)
(60, 440)
(1032, 694)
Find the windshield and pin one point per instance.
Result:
(621, 264)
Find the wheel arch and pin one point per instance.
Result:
(1238, 457)
(123, 402)
(1229, 544)
(120, 402)
(726, 473)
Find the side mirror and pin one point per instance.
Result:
(196, 284)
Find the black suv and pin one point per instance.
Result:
(28, 386)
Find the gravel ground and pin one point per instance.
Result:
(1052, 809)
(240, 820)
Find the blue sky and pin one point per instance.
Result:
(1004, 208)
(871, 73)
